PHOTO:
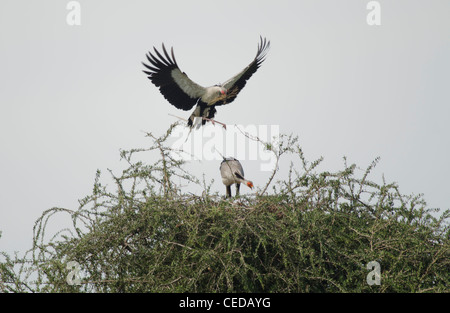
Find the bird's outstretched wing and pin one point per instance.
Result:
(235, 84)
(173, 84)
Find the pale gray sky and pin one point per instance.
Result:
(72, 96)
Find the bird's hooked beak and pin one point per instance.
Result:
(250, 185)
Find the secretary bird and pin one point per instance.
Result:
(184, 94)
(233, 173)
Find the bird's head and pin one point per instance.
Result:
(250, 184)
(222, 91)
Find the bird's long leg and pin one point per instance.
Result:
(214, 121)
(237, 189)
(229, 191)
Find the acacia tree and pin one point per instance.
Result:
(314, 232)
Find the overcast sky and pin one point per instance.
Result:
(72, 96)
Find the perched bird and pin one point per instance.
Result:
(184, 94)
(233, 173)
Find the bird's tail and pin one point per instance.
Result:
(195, 121)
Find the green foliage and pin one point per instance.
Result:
(314, 233)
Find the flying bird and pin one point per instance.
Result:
(233, 173)
(184, 94)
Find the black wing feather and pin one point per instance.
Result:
(160, 72)
(235, 84)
